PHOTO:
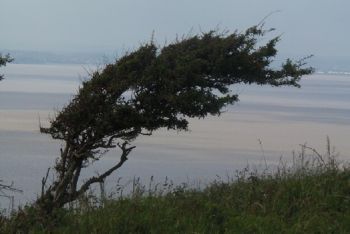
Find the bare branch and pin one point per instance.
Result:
(43, 182)
(98, 179)
(9, 187)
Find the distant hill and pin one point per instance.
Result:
(38, 57)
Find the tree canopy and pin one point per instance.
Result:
(155, 87)
(159, 87)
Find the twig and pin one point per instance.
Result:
(43, 182)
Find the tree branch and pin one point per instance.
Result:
(9, 188)
(125, 152)
(76, 178)
(43, 181)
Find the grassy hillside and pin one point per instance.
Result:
(310, 195)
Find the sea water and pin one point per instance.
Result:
(266, 123)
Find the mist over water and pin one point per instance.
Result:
(281, 118)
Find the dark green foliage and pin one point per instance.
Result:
(154, 88)
(3, 61)
(188, 78)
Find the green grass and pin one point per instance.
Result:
(312, 195)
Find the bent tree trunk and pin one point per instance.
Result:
(65, 189)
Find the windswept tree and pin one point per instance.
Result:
(155, 87)
(3, 61)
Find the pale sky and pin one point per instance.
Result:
(317, 27)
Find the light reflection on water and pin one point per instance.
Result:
(282, 118)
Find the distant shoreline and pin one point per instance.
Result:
(322, 64)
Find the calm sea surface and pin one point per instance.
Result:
(281, 118)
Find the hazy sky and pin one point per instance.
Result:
(317, 27)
